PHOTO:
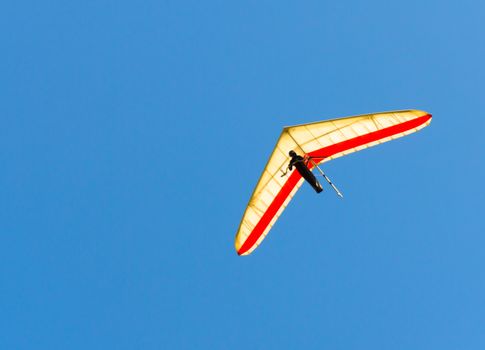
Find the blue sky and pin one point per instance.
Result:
(133, 134)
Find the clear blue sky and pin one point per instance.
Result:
(133, 133)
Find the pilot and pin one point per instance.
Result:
(299, 163)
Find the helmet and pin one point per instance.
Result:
(292, 153)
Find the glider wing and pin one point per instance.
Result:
(324, 141)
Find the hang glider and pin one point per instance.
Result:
(319, 142)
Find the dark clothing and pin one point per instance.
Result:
(299, 163)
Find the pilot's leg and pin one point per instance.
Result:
(312, 180)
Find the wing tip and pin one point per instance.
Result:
(239, 247)
(427, 118)
(424, 116)
(241, 252)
